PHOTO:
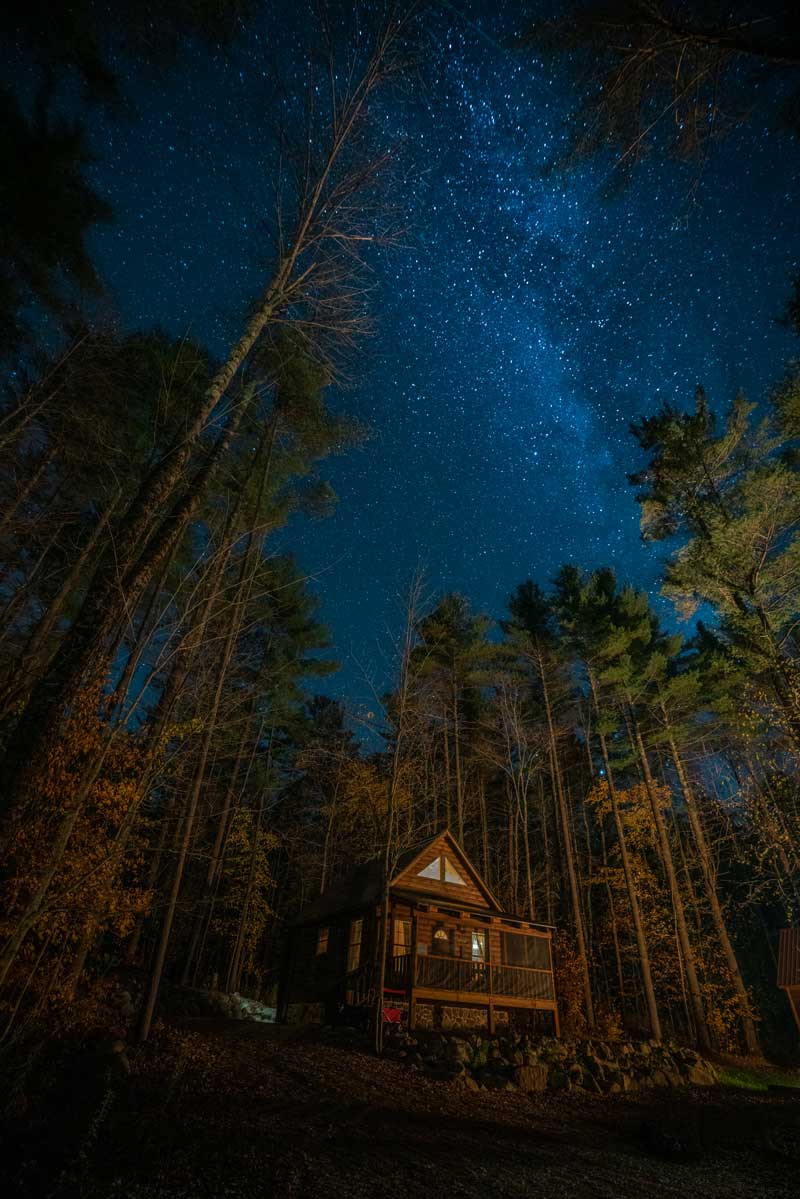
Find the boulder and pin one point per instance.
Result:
(457, 1051)
(464, 1082)
(531, 1078)
(701, 1075)
(592, 1084)
(666, 1078)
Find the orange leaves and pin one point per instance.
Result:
(81, 824)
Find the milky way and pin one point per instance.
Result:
(520, 329)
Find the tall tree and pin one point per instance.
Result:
(583, 611)
(534, 636)
(674, 74)
(314, 275)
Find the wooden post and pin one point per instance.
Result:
(412, 973)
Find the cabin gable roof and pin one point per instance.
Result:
(362, 887)
(440, 868)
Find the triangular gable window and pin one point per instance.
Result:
(451, 875)
(443, 870)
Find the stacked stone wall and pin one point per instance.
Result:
(515, 1061)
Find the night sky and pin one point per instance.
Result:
(521, 329)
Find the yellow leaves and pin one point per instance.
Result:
(569, 985)
(95, 773)
(361, 803)
(634, 807)
(243, 908)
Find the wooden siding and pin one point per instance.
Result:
(314, 976)
(473, 891)
(789, 957)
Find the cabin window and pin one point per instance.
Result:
(478, 945)
(354, 945)
(519, 950)
(443, 870)
(401, 937)
(451, 875)
(322, 940)
(442, 941)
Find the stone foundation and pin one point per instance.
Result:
(449, 1017)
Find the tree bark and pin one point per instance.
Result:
(577, 910)
(687, 949)
(709, 879)
(633, 899)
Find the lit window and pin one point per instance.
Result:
(443, 870)
(451, 875)
(478, 945)
(401, 937)
(322, 940)
(354, 945)
(434, 870)
(441, 940)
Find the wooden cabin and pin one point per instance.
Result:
(454, 958)
(789, 968)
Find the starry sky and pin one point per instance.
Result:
(521, 327)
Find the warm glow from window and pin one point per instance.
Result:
(443, 870)
(434, 870)
(478, 946)
(322, 940)
(354, 945)
(401, 937)
(451, 875)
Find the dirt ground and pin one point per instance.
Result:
(249, 1110)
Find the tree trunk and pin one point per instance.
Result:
(86, 644)
(687, 949)
(577, 910)
(709, 879)
(633, 899)
(189, 820)
(26, 490)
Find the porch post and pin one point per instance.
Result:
(412, 972)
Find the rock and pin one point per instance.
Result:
(701, 1075)
(531, 1078)
(558, 1080)
(494, 1082)
(457, 1051)
(464, 1082)
(443, 1071)
(666, 1078)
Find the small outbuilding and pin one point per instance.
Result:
(454, 958)
(789, 968)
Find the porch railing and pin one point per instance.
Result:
(452, 974)
(483, 978)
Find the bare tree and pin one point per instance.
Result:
(329, 207)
